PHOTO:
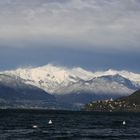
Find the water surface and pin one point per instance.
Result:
(80, 125)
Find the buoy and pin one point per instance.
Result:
(50, 122)
(35, 126)
(124, 123)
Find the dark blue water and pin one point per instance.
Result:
(69, 125)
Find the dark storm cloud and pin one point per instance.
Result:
(11, 58)
(97, 34)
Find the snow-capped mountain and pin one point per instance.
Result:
(59, 80)
(50, 78)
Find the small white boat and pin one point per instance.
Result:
(124, 123)
(50, 122)
(35, 126)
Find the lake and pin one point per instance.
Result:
(75, 125)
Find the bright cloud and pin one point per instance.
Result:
(102, 23)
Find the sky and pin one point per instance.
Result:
(93, 34)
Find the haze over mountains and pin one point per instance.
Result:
(67, 85)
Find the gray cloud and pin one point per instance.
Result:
(103, 23)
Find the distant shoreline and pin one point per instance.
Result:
(64, 110)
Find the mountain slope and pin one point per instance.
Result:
(14, 88)
(132, 99)
(104, 87)
(129, 103)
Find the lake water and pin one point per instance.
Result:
(69, 125)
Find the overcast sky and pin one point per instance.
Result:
(95, 34)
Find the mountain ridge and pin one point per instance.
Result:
(60, 73)
(75, 82)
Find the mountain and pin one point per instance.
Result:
(76, 85)
(14, 91)
(104, 87)
(129, 103)
(50, 77)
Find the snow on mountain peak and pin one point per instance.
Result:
(55, 79)
(126, 74)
